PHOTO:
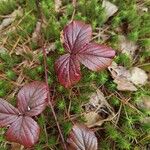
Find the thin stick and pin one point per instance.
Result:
(46, 77)
(49, 100)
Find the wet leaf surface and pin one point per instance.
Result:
(82, 138)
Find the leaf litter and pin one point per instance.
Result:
(97, 110)
(10, 18)
(127, 80)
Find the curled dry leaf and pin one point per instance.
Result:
(76, 40)
(110, 8)
(97, 110)
(82, 138)
(126, 79)
(121, 77)
(32, 100)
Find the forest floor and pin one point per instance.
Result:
(121, 117)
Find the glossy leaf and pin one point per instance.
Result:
(95, 56)
(76, 35)
(24, 131)
(8, 113)
(76, 39)
(68, 70)
(32, 98)
(82, 138)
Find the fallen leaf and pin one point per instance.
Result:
(110, 8)
(138, 76)
(10, 18)
(127, 79)
(82, 138)
(126, 46)
(118, 71)
(97, 110)
(124, 85)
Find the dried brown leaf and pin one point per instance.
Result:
(97, 110)
(10, 18)
(121, 77)
(124, 85)
(138, 76)
(126, 79)
(110, 8)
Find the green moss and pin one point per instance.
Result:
(129, 21)
(67, 126)
(123, 59)
(11, 75)
(61, 104)
(7, 6)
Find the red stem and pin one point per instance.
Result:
(46, 76)
(49, 100)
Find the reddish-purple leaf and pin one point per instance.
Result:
(24, 131)
(76, 35)
(68, 70)
(8, 113)
(95, 56)
(76, 39)
(32, 98)
(82, 138)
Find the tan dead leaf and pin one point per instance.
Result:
(126, 79)
(126, 46)
(58, 4)
(110, 8)
(10, 18)
(124, 85)
(118, 71)
(97, 110)
(138, 76)
(121, 77)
